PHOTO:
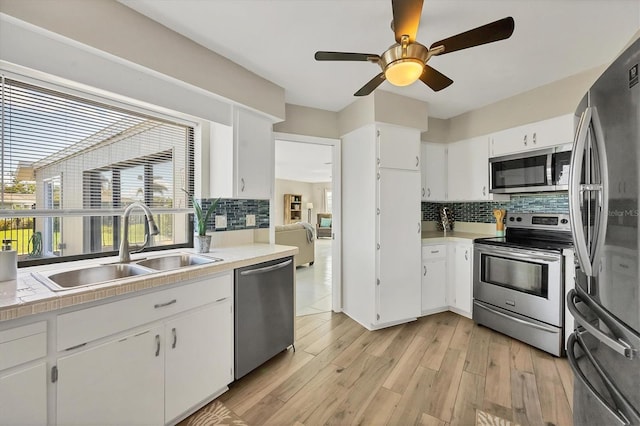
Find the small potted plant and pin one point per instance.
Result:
(202, 241)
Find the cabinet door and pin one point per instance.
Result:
(198, 357)
(554, 131)
(399, 239)
(461, 282)
(434, 285)
(434, 171)
(399, 148)
(253, 139)
(478, 172)
(117, 383)
(458, 171)
(508, 141)
(23, 396)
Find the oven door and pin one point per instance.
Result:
(528, 282)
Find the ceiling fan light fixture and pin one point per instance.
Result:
(404, 72)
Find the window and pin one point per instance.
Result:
(76, 163)
(328, 204)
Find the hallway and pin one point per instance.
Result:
(313, 283)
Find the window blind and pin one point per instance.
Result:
(70, 165)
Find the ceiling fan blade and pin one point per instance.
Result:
(345, 56)
(371, 85)
(498, 30)
(406, 18)
(434, 79)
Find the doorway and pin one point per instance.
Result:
(310, 167)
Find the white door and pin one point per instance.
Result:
(198, 357)
(462, 285)
(434, 284)
(253, 139)
(399, 148)
(23, 397)
(116, 383)
(399, 239)
(434, 169)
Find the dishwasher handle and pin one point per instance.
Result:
(266, 268)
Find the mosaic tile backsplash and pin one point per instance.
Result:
(482, 211)
(236, 211)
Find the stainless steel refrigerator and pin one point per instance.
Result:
(604, 190)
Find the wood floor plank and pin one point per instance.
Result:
(307, 325)
(380, 409)
(461, 336)
(566, 377)
(437, 347)
(442, 397)
(332, 335)
(263, 409)
(401, 341)
(427, 420)
(525, 399)
(398, 379)
(476, 361)
(361, 344)
(521, 356)
(311, 337)
(498, 379)
(470, 397)
(409, 409)
(553, 399)
(383, 339)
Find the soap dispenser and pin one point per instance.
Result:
(8, 262)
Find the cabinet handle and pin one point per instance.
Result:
(417, 161)
(423, 191)
(534, 138)
(242, 185)
(428, 193)
(466, 255)
(484, 190)
(162, 305)
(157, 345)
(175, 338)
(435, 251)
(419, 227)
(425, 271)
(525, 140)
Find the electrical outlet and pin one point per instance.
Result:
(221, 222)
(251, 220)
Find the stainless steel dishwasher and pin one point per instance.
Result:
(264, 313)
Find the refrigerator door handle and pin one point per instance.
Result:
(603, 189)
(579, 374)
(617, 344)
(575, 193)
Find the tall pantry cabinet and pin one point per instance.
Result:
(381, 235)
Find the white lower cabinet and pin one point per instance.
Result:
(23, 396)
(434, 278)
(118, 382)
(198, 357)
(23, 375)
(153, 373)
(460, 278)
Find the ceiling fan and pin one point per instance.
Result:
(406, 60)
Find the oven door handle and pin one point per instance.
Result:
(575, 338)
(548, 329)
(616, 343)
(529, 255)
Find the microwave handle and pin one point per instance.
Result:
(549, 169)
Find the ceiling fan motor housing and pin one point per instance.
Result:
(410, 59)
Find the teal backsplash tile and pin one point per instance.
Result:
(482, 211)
(236, 211)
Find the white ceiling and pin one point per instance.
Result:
(304, 162)
(277, 39)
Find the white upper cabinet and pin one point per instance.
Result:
(398, 147)
(242, 157)
(542, 134)
(434, 171)
(468, 170)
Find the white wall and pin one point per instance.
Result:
(311, 193)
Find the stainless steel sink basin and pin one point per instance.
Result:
(90, 275)
(176, 261)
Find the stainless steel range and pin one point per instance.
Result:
(518, 280)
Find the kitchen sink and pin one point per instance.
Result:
(176, 261)
(90, 275)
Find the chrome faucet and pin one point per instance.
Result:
(124, 244)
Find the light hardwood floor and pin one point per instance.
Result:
(434, 371)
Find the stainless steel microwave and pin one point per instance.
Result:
(534, 171)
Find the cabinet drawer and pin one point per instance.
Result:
(23, 344)
(83, 326)
(434, 251)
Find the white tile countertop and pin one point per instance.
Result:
(438, 236)
(28, 296)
